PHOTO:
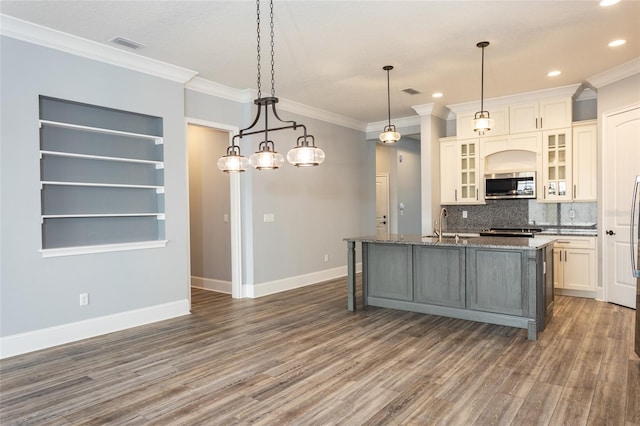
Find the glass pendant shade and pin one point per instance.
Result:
(305, 155)
(482, 122)
(390, 135)
(233, 162)
(266, 158)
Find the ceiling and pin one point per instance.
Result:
(330, 54)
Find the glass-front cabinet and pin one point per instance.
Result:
(556, 167)
(469, 187)
(460, 172)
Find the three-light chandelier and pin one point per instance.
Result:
(304, 154)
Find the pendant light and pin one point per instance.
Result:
(305, 153)
(389, 134)
(482, 121)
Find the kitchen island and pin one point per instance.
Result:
(504, 281)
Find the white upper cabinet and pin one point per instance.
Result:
(544, 115)
(556, 166)
(464, 126)
(585, 161)
(460, 172)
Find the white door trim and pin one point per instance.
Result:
(235, 210)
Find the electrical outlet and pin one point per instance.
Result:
(572, 214)
(84, 299)
(225, 218)
(326, 257)
(464, 214)
(269, 217)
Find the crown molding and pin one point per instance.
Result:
(400, 123)
(503, 101)
(58, 40)
(320, 114)
(212, 88)
(435, 109)
(614, 74)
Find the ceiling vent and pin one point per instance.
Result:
(411, 91)
(127, 43)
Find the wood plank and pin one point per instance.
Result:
(301, 357)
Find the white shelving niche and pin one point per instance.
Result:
(101, 179)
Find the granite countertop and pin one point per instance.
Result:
(487, 242)
(577, 232)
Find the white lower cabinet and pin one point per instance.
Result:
(574, 264)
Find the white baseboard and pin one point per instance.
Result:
(53, 336)
(211, 284)
(277, 286)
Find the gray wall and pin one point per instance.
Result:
(38, 292)
(208, 204)
(314, 208)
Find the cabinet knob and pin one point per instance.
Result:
(610, 232)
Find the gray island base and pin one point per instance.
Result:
(503, 281)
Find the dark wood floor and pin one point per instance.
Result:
(301, 358)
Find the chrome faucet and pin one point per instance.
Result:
(443, 214)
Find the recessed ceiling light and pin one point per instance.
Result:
(616, 43)
(554, 73)
(605, 3)
(437, 95)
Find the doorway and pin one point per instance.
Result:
(214, 211)
(621, 164)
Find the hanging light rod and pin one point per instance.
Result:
(389, 134)
(482, 121)
(304, 154)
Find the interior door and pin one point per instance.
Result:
(621, 164)
(382, 203)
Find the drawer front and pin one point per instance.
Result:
(575, 242)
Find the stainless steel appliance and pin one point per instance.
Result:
(510, 232)
(498, 186)
(635, 254)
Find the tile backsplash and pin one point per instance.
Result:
(519, 214)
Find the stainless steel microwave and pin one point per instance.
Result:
(499, 186)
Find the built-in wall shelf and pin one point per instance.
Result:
(101, 179)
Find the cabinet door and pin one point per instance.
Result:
(469, 172)
(555, 114)
(524, 118)
(496, 281)
(558, 255)
(556, 166)
(439, 276)
(389, 270)
(448, 172)
(579, 269)
(585, 143)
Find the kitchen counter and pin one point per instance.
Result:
(489, 242)
(570, 232)
(498, 280)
